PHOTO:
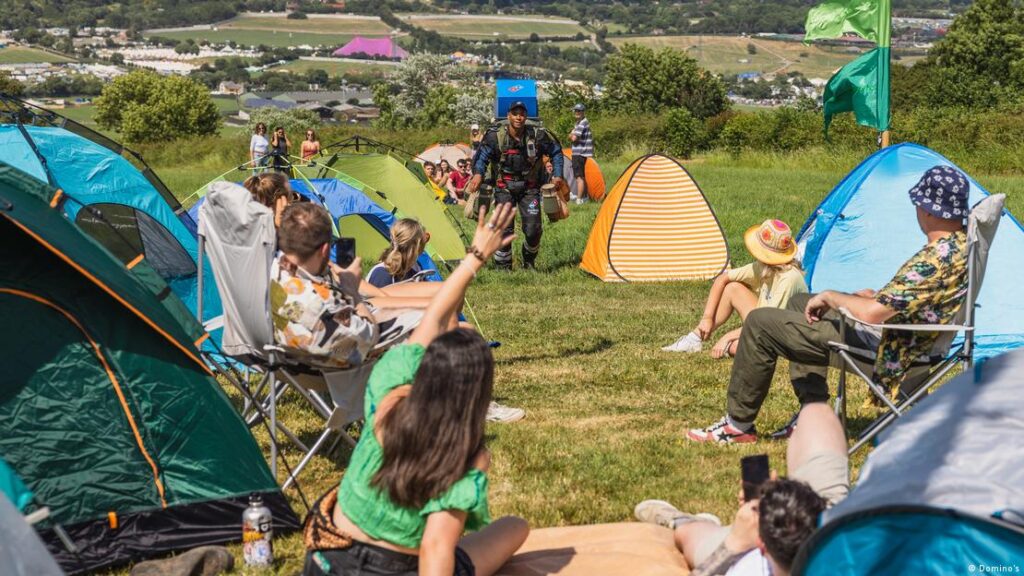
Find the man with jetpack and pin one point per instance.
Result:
(513, 150)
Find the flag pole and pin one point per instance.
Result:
(885, 39)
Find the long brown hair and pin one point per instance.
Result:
(408, 240)
(431, 438)
(267, 187)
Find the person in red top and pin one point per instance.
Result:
(459, 178)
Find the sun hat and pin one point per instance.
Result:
(942, 192)
(771, 242)
(474, 126)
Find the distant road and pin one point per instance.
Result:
(355, 60)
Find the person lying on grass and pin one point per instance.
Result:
(418, 476)
(928, 289)
(770, 281)
(767, 532)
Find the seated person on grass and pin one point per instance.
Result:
(928, 289)
(409, 495)
(767, 533)
(768, 282)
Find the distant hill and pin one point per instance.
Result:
(619, 16)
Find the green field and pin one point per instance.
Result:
(335, 68)
(246, 37)
(606, 410)
(315, 24)
(726, 54)
(493, 27)
(23, 55)
(278, 31)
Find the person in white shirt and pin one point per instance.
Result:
(259, 147)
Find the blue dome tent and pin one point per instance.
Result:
(866, 228)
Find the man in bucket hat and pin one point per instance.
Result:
(928, 289)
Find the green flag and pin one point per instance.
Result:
(869, 19)
(862, 86)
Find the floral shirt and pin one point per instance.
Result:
(928, 289)
(314, 319)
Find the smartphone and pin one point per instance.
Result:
(755, 472)
(345, 252)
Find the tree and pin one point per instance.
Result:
(980, 62)
(117, 58)
(641, 80)
(146, 107)
(9, 86)
(317, 76)
(751, 49)
(294, 121)
(684, 134)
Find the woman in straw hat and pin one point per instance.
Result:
(770, 280)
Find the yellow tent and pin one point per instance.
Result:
(655, 225)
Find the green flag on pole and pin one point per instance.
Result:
(862, 86)
(869, 19)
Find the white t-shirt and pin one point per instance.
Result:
(259, 144)
(753, 563)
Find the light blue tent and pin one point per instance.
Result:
(126, 209)
(944, 491)
(866, 228)
(355, 214)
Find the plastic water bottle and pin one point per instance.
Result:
(257, 533)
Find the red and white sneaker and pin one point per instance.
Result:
(723, 433)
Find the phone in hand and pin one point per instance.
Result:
(755, 472)
(345, 252)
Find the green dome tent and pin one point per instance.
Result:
(106, 410)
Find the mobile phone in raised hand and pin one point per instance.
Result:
(755, 472)
(345, 252)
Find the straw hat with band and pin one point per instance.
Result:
(771, 242)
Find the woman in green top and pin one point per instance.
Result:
(418, 477)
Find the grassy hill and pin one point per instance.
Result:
(277, 30)
(481, 27)
(24, 55)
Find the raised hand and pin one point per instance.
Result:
(489, 237)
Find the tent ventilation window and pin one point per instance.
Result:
(127, 232)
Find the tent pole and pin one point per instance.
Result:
(885, 139)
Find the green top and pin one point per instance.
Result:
(370, 508)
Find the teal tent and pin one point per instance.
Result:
(107, 412)
(110, 192)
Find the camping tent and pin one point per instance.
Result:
(865, 229)
(450, 152)
(372, 47)
(655, 225)
(129, 211)
(107, 411)
(355, 214)
(387, 180)
(944, 491)
(592, 174)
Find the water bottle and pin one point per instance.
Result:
(257, 533)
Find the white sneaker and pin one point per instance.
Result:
(504, 414)
(664, 514)
(689, 343)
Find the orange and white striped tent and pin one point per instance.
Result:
(655, 225)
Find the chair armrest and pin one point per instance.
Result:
(910, 327)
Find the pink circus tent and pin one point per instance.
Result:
(373, 47)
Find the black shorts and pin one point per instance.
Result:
(578, 164)
(370, 560)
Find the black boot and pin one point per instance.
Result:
(529, 258)
(503, 261)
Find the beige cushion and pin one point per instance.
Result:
(603, 549)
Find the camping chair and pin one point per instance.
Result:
(927, 370)
(239, 237)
